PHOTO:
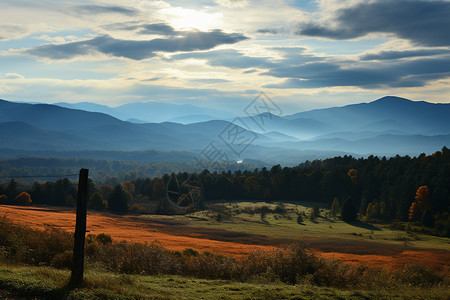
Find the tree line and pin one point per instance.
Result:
(399, 188)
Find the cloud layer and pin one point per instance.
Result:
(422, 22)
(138, 49)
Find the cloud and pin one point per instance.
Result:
(105, 9)
(409, 73)
(422, 22)
(233, 3)
(12, 76)
(159, 28)
(13, 31)
(391, 55)
(137, 50)
(156, 28)
(229, 58)
(268, 31)
(210, 80)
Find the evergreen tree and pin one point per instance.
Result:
(335, 207)
(12, 190)
(428, 218)
(348, 211)
(118, 200)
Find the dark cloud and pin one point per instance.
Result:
(104, 9)
(250, 71)
(423, 22)
(159, 28)
(236, 60)
(228, 58)
(190, 41)
(391, 55)
(268, 30)
(409, 73)
(128, 26)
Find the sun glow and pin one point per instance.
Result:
(183, 18)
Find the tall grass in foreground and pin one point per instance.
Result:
(292, 264)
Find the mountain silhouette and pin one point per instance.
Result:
(387, 126)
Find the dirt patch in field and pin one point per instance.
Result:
(177, 235)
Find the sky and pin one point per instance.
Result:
(223, 53)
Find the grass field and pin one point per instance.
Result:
(117, 271)
(240, 230)
(48, 283)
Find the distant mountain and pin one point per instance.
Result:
(382, 144)
(193, 119)
(19, 135)
(385, 114)
(55, 126)
(153, 112)
(387, 126)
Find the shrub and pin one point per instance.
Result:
(190, 252)
(280, 209)
(418, 275)
(63, 260)
(104, 239)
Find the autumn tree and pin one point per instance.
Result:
(129, 188)
(23, 199)
(421, 203)
(96, 201)
(353, 174)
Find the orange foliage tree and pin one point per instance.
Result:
(353, 174)
(421, 203)
(23, 198)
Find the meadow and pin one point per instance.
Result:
(235, 250)
(239, 228)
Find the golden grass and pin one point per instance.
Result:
(240, 233)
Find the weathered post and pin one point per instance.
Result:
(80, 231)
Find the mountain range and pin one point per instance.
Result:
(387, 126)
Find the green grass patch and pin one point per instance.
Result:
(280, 222)
(49, 283)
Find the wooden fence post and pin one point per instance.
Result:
(76, 278)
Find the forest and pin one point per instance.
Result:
(396, 189)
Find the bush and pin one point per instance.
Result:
(418, 275)
(104, 239)
(63, 260)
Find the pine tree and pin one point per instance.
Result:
(118, 200)
(348, 211)
(335, 207)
